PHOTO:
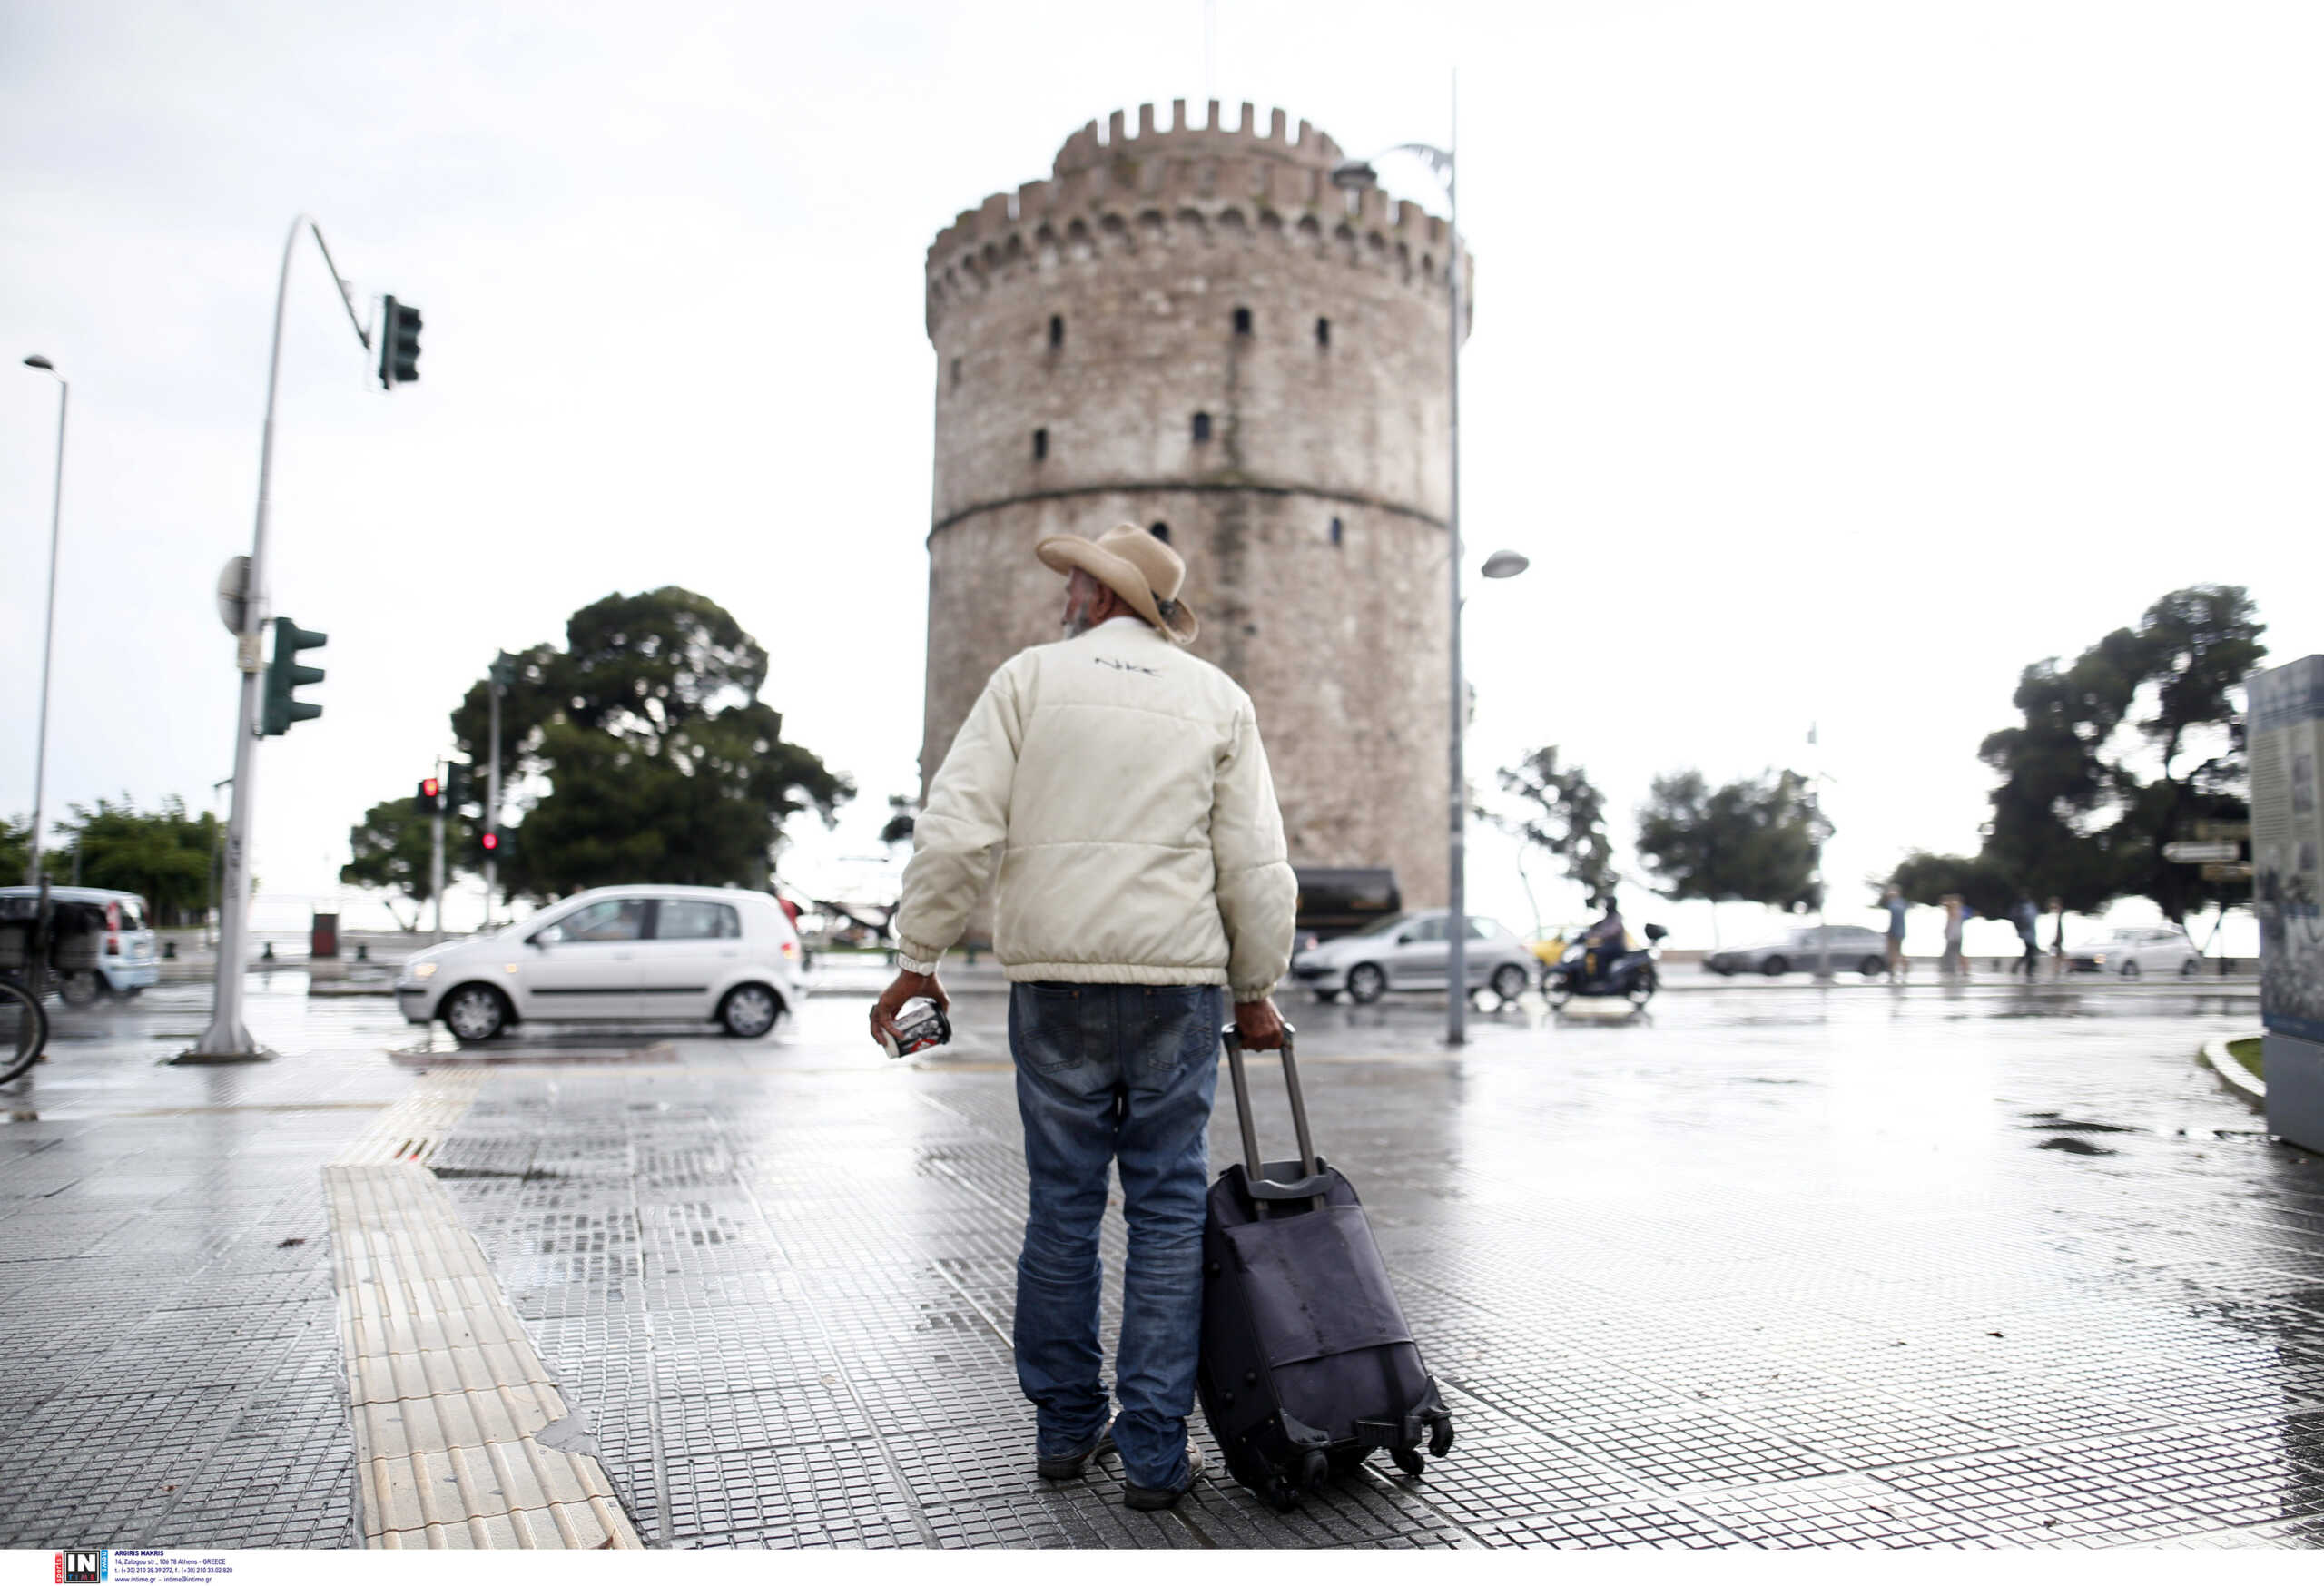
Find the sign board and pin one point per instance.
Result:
(233, 591)
(2227, 872)
(2202, 852)
(2287, 739)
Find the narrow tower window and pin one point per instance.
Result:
(1056, 329)
(1202, 426)
(1335, 531)
(1161, 531)
(1323, 332)
(1040, 445)
(1242, 321)
(956, 374)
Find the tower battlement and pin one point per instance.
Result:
(1118, 192)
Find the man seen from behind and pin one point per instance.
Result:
(1118, 787)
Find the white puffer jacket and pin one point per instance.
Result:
(1120, 784)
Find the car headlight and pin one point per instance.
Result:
(419, 971)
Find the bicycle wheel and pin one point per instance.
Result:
(24, 1030)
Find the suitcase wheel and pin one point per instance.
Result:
(1280, 1494)
(1440, 1436)
(1315, 1470)
(1408, 1459)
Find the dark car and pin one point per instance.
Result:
(1847, 947)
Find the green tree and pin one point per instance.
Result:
(654, 758)
(394, 851)
(2073, 816)
(1562, 812)
(15, 849)
(161, 854)
(903, 821)
(1926, 878)
(1750, 841)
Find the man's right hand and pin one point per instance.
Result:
(1258, 1026)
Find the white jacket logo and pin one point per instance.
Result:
(1123, 666)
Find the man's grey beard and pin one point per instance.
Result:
(1077, 621)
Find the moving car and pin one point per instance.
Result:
(620, 954)
(1410, 952)
(1850, 946)
(2131, 951)
(101, 943)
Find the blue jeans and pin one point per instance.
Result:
(1108, 1074)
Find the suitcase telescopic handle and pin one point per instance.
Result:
(1310, 1186)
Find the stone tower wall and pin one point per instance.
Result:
(1100, 309)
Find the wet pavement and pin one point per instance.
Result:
(1773, 1268)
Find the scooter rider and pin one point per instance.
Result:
(1604, 941)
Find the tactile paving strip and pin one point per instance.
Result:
(461, 1440)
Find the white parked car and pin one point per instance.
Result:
(101, 941)
(2134, 950)
(619, 954)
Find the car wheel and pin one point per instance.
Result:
(1774, 964)
(749, 1011)
(1869, 967)
(1327, 994)
(2131, 969)
(474, 1014)
(2187, 967)
(1510, 981)
(80, 990)
(1366, 982)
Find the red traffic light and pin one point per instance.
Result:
(430, 787)
(491, 840)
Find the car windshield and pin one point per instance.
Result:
(1383, 927)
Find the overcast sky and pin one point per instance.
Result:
(1832, 361)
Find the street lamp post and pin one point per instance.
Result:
(1359, 173)
(226, 1038)
(49, 631)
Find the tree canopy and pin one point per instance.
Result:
(1750, 841)
(1563, 813)
(161, 854)
(2118, 753)
(639, 752)
(393, 850)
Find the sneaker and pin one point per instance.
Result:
(1067, 1467)
(1137, 1497)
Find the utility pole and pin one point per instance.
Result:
(33, 874)
(435, 863)
(497, 685)
(227, 1039)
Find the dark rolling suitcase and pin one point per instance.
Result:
(1307, 1367)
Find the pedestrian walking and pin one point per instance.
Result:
(2057, 913)
(1118, 787)
(1893, 900)
(2029, 932)
(1955, 916)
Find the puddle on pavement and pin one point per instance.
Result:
(2059, 1123)
(2079, 1147)
(497, 1056)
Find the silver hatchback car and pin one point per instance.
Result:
(1410, 953)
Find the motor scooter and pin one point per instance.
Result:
(1630, 974)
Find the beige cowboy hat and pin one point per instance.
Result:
(1135, 565)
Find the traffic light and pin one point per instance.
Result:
(456, 792)
(284, 674)
(429, 799)
(494, 845)
(398, 345)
